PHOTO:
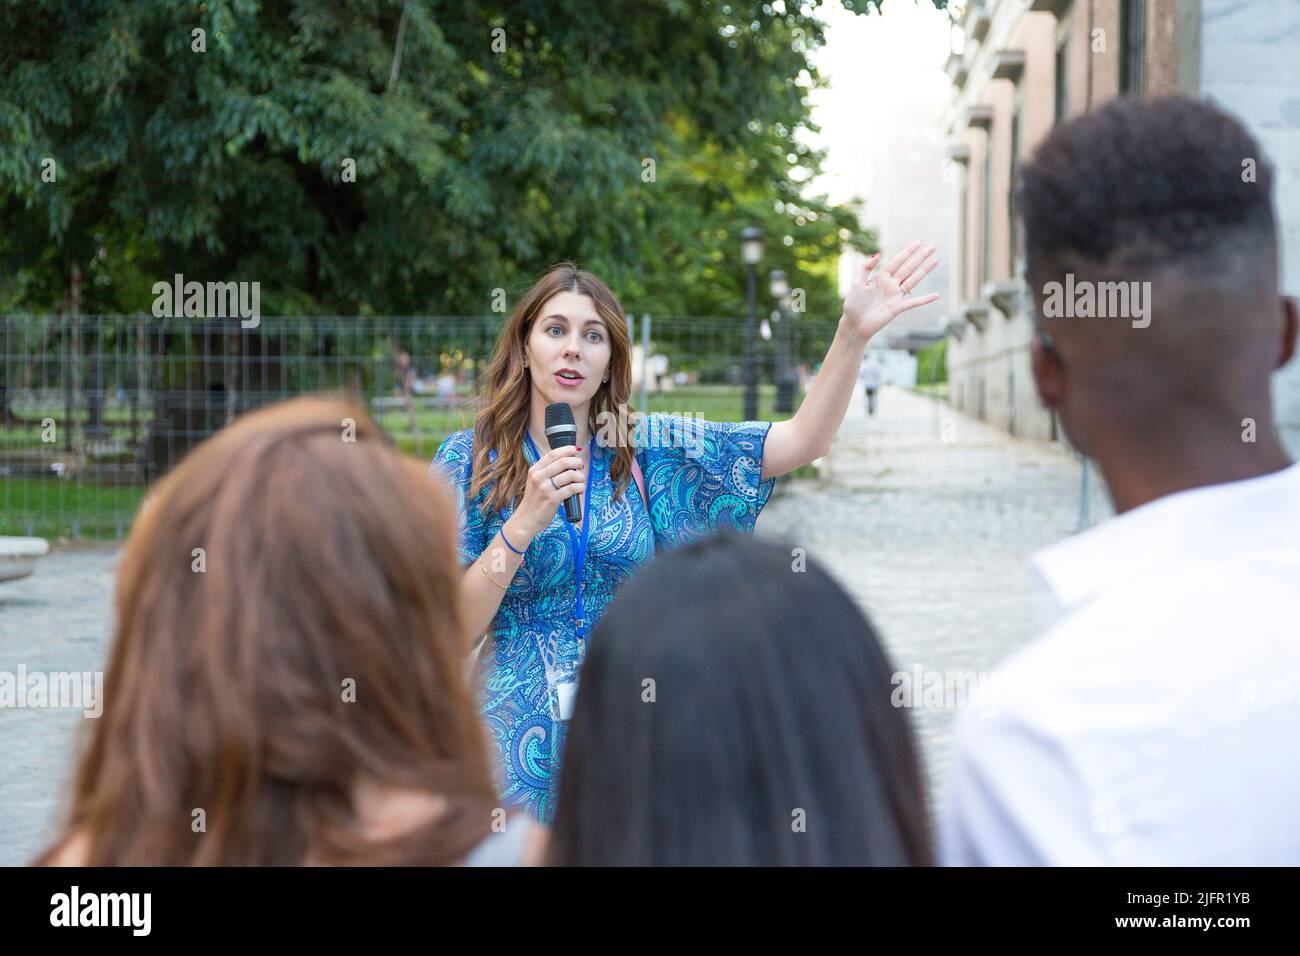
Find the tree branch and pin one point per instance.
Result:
(397, 50)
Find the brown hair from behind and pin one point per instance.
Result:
(309, 647)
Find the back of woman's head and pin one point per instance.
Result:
(285, 630)
(734, 710)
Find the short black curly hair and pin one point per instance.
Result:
(1144, 183)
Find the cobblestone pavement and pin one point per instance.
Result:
(928, 519)
(931, 536)
(58, 619)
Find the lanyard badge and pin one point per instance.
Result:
(562, 674)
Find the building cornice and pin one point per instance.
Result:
(1008, 65)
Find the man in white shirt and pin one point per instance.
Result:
(1158, 719)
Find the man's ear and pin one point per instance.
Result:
(1049, 373)
(1290, 325)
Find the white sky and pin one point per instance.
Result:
(879, 69)
(881, 119)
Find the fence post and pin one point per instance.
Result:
(932, 366)
(68, 359)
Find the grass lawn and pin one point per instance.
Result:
(717, 403)
(53, 505)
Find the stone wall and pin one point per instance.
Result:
(1250, 65)
(1240, 53)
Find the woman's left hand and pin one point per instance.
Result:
(875, 300)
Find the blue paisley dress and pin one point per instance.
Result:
(700, 476)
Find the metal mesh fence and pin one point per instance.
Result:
(93, 409)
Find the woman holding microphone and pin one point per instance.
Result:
(535, 583)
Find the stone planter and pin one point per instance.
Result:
(18, 556)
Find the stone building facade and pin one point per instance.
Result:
(1018, 68)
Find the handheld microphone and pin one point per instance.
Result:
(561, 431)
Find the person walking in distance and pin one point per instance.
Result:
(869, 377)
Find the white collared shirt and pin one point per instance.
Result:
(1157, 722)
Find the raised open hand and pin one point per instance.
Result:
(874, 300)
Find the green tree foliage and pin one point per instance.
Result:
(932, 364)
(489, 139)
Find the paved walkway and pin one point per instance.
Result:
(930, 536)
(58, 619)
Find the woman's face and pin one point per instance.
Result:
(568, 335)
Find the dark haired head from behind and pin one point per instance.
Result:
(735, 711)
(1160, 211)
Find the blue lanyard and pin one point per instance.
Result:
(579, 545)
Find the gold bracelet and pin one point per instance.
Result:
(503, 587)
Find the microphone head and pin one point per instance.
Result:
(559, 413)
(560, 427)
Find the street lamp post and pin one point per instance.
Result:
(780, 289)
(751, 254)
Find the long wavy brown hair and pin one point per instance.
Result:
(310, 644)
(506, 391)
